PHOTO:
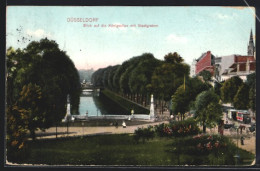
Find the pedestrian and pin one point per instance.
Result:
(242, 140)
(123, 124)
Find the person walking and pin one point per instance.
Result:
(123, 124)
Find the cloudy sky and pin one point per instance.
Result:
(190, 31)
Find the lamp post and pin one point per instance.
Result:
(131, 116)
(82, 128)
(237, 155)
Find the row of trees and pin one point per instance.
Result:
(39, 78)
(206, 100)
(241, 94)
(168, 80)
(143, 75)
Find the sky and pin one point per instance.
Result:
(189, 31)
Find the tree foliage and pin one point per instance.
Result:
(206, 75)
(251, 82)
(42, 68)
(173, 58)
(169, 76)
(207, 109)
(31, 102)
(182, 98)
(141, 76)
(241, 99)
(230, 88)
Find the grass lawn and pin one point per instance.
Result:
(119, 150)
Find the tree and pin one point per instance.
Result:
(251, 82)
(206, 75)
(42, 66)
(217, 87)
(207, 109)
(241, 99)
(31, 101)
(173, 58)
(97, 77)
(105, 76)
(141, 75)
(120, 70)
(180, 101)
(182, 98)
(168, 76)
(17, 127)
(230, 88)
(110, 77)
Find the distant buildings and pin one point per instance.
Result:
(85, 84)
(251, 46)
(242, 66)
(225, 67)
(222, 64)
(193, 68)
(205, 62)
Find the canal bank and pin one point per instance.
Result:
(124, 103)
(107, 105)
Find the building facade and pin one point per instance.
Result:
(193, 68)
(225, 67)
(221, 64)
(205, 62)
(242, 66)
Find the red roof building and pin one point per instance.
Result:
(242, 66)
(205, 62)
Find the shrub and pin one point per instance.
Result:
(144, 134)
(178, 129)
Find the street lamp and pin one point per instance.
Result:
(82, 128)
(132, 114)
(237, 155)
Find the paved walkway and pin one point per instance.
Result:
(80, 131)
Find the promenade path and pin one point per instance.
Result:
(249, 142)
(92, 130)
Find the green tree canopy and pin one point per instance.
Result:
(31, 101)
(230, 88)
(140, 77)
(206, 75)
(182, 98)
(111, 75)
(241, 99)
(97, 77)
(251, 82)
(173, 58)
(168, 76)
(207, 109)
(45, 65)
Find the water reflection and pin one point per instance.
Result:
(97, 104)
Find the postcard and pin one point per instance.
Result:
(130, 86)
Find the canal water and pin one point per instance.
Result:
(96, 104)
